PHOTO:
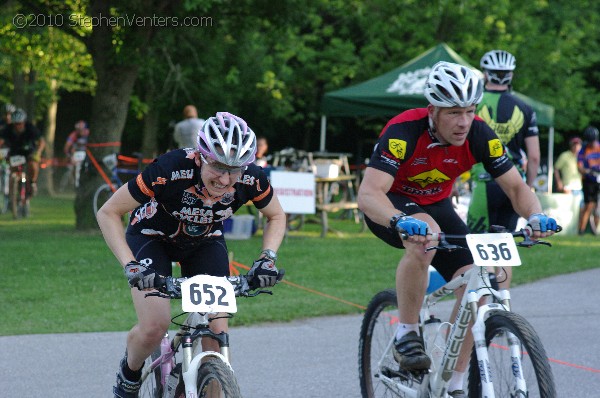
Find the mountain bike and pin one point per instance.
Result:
(105, 191)
(199, 373)
(73, 172)
(508, 358)
(17, 192)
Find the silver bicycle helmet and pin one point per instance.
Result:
(499, 65)
(227, 139)
(590, 134)
(9, 108)
(19, 116)
(451, 85)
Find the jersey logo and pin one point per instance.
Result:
(397, 147)
(429, 177)
(496, 149)
(159, 181)
(505, 131)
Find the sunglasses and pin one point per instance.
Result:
(221, 169)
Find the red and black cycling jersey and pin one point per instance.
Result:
(176, 204)
(425, 170)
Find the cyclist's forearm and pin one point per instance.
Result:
(114, 235)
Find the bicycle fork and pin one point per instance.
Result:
(481, 348)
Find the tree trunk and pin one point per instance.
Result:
(150, 139)
(49, 135)
(109, 113)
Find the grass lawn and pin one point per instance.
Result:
(56, 279)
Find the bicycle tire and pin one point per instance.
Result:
(535, 366)
(102, 194)
(152, 387)
(295, 222)
(214, 375)
(379, 324)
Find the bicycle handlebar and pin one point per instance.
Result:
(170, 287)
(442, 237)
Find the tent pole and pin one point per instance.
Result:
(550, 158)
(323, 133)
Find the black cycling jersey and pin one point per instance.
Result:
(177, 207)
(24, 143)
(511, 118)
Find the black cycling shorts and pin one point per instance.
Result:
(446, 263)
(590, 191)
(206, 256)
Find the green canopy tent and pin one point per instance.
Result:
(402, 88)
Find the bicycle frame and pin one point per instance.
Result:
(478, 286)
(191, 360)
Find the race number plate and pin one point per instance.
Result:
(208, 294)
(17, 160)
(79, 156)
(496, 250)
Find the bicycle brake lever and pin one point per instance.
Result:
(446, 247)
(159, 294)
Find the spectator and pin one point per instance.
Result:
(588, 162)
(186, 131)
(262, 146)
(514, 122)
(566, 174)
(23, 138)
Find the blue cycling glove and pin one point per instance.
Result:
(411, 226)
(541, 222)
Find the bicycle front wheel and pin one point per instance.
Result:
(102, 194)
(151, 386)
(535, 368)
(375, 358)
(215, 379)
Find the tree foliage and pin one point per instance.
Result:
(272, 62)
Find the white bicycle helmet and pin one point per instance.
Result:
(451, 85)
(19, 116)
(227, 139)
(499, 65)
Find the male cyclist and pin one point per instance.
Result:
(514, 122)
(407, 187)
(179, 203)
(23, 138)
(77, 139)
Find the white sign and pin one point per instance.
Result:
(495, 250)
(208, 294)
(295, 191)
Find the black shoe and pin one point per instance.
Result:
(124, 387)
(457, 394)
(410, 353)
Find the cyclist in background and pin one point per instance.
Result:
(407, 187)
(179, 203)
(77, 139)
(23, 138)
(514, 122)
(7, 111)
(588, 163)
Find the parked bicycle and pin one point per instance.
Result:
(105, 191)
(199, 373)
(508, 359)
